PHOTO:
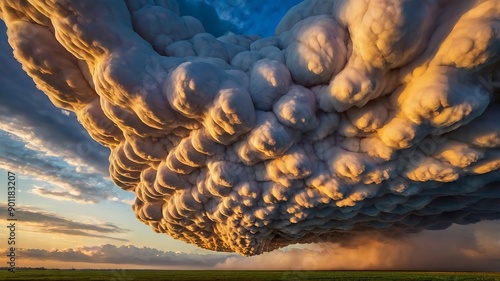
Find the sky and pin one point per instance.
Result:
(71, 215)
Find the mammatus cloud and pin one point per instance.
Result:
(355, 117)
(40, 221)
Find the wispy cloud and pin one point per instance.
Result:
(61, 180)
(61, 195)
(41, 221)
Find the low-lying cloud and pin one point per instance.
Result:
(123, 255)
(468, 248)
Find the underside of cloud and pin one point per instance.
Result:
(356, 116)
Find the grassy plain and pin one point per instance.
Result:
(140, 275)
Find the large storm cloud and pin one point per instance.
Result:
(356, 116)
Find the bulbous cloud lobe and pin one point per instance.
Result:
(355, 116)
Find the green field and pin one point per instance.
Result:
(129, 275)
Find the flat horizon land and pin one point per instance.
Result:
(244, 275)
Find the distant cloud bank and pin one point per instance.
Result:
(464, 248)
(358, 122)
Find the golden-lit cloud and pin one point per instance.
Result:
(355, 118)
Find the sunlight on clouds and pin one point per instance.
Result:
(61, 195)
(32, 142)
(62, 179)
(320, 133)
